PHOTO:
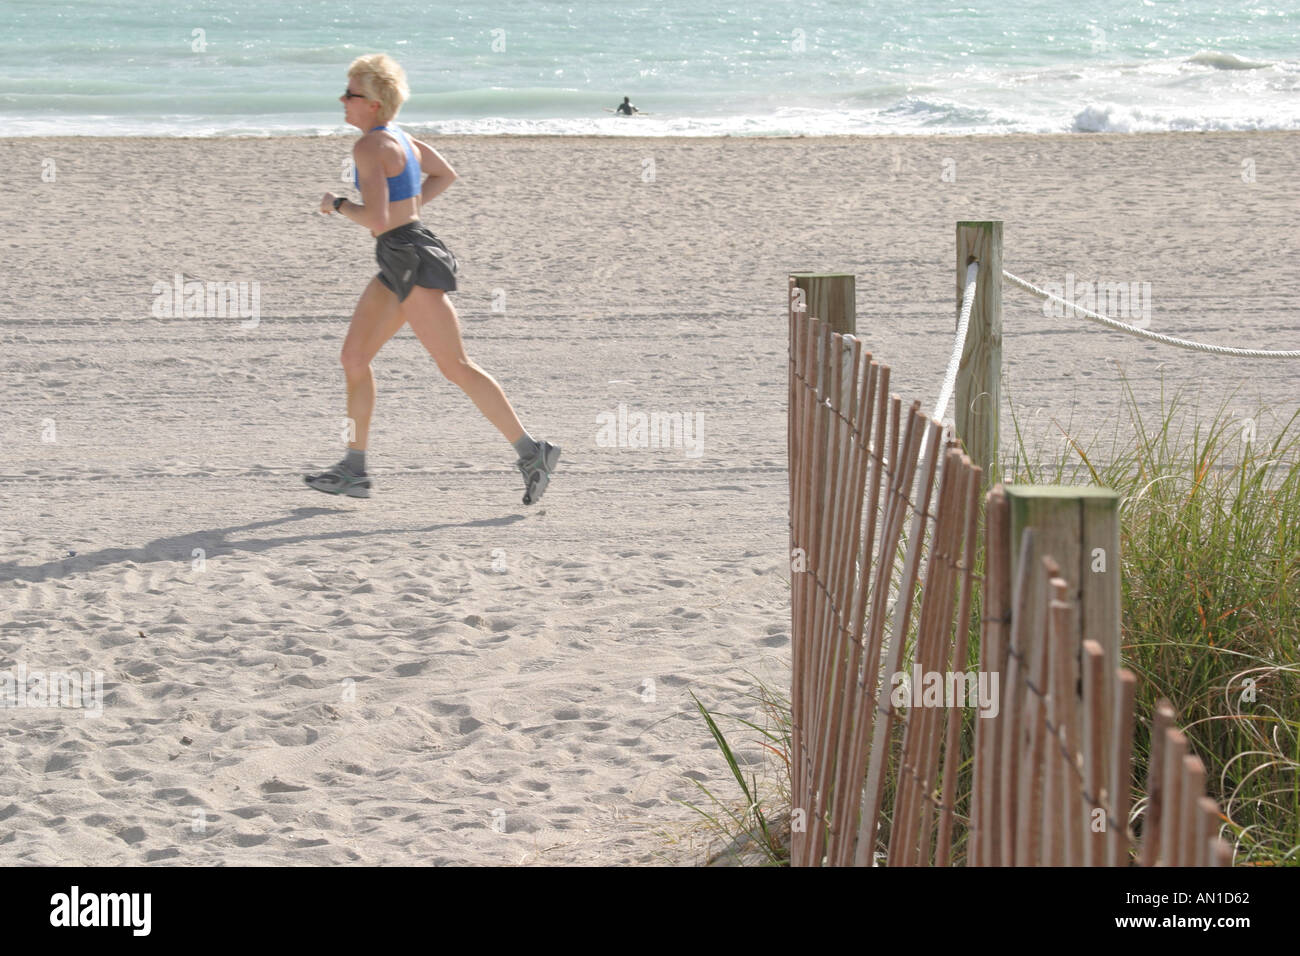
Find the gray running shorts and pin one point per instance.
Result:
(411, 255)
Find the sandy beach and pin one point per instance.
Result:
(440, 674)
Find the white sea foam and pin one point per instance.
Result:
(1226, 61)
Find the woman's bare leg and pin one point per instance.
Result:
(433, 319)
(376, 320)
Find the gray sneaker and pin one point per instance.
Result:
(340, 481)
(537, 472)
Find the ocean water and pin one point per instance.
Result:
(697, 67)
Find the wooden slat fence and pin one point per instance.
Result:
(884, 526)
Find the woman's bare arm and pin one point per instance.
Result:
(373, 213)
(440, 174)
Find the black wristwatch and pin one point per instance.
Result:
(338, 201)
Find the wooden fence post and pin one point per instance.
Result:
(1076, 529)
(1079, 528)
(979, 393)
(830, 297)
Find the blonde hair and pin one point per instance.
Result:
(379, 78)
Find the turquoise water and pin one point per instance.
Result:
(133, 67)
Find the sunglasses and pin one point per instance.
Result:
(348, 95)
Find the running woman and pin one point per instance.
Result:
(416, 271)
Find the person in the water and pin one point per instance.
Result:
(626, 108)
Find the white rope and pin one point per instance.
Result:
(958, 345)
(1143, 333)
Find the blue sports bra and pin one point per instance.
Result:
(406, 183)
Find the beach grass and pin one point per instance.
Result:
(1210, 545)
(1210, 550)
(757, 831)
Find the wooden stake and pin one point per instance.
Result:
(830, 296)
(1209, 817)
(1153, 824)
(1172, 798)
(1094, 752)
(1060, 836)
(978, 392)
(1193, 790)
(1121, 774)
